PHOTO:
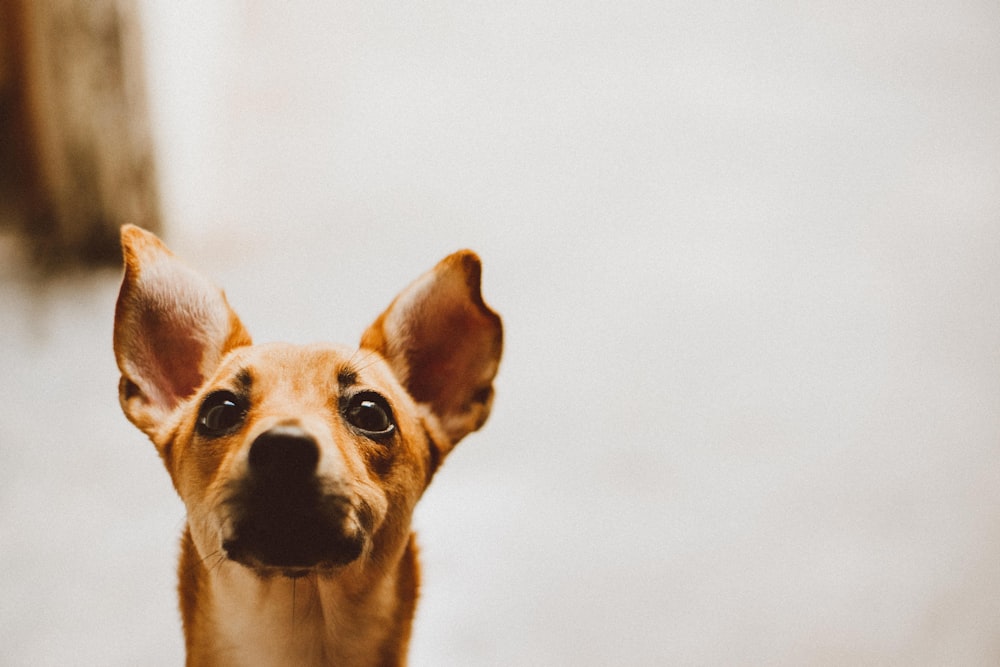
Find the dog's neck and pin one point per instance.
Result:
(309, 621)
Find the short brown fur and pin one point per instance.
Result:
(300, 466)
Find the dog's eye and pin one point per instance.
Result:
(370, 413)
(220, 413)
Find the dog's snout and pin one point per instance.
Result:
(285, 451)
(284, 514)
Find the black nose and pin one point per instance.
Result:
(284, 451)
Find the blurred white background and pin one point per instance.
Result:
(748, 257)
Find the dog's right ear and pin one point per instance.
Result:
(443, 343)
(172, 328)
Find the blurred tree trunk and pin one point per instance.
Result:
(76, 154)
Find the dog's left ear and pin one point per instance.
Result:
(443, 343)
(172, 328)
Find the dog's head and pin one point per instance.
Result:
(294, 459)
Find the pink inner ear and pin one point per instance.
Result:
(450, 364)
(444, 343)
(172, 329)
(173, 356)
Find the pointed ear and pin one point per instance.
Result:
(443, 343)
(172, 328)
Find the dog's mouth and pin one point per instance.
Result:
(294, 531)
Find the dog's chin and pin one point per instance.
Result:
(267, 568)
(318, 571)
(274, 527)
(320, 553)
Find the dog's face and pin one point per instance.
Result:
(295, 459)
(294, 456)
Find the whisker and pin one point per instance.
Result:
(214, 553)
(219, 563)
(369, 357)
(201, 562)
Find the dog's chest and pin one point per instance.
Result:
(287, 622)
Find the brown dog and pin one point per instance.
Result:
(300, 466)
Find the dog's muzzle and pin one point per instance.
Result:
(284, 516)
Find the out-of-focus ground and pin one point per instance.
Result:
(748, 257)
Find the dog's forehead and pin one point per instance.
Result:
(313, 365)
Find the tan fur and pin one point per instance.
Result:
(346, 594)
